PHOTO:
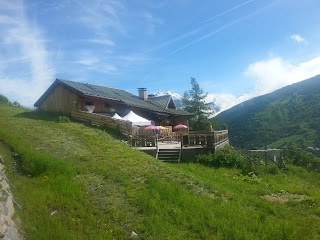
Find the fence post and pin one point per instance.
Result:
(265, 155)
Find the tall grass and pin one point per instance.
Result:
(79, 182)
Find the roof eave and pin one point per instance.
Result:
(50, 89)
(46, 93)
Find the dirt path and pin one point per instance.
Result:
(8, 228)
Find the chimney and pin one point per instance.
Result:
(143, 93)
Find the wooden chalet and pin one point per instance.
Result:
(97, 105)
(67, 96)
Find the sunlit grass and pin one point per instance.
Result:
(78, 182)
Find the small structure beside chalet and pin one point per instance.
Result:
(147, 121)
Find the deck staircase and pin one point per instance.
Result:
(169, 155)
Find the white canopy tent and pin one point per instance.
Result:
(136, 119)
(116, 116)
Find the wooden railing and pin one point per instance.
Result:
(102, 120)
(141, 138)
(164, 134)
(208, 139)
(144, 141)
(220, 137)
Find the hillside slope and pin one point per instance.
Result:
(288, 116)
(78, 182)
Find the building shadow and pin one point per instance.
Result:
(40, 115)
(63, 118)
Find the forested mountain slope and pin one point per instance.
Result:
(288, 116)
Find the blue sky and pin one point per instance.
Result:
(236, 49)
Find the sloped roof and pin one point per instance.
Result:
(162, 101)
(155, 104)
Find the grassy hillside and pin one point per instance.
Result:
(77, 182)
(289, 116)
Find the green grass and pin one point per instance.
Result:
(299, 140)
(100, 188)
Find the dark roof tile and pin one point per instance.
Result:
(156, 104)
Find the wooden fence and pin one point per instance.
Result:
(164, 133)
(220, 137)
(208, 139)
(273, 155)
(149, 138)
(144, 141)
(142, 138)
(103, 120)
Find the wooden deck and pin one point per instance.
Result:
(185, 149)
(184, 140)
(168, 145)
(181, 145)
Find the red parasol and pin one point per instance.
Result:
(151, 127)
(180, 127)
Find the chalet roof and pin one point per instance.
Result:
(155, 104)
(162, 101)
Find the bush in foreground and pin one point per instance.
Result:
(226, 157)
(230, 158)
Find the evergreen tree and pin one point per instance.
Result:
(194, 102)
(3, 99)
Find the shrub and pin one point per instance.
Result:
(301, 158)
(3, 99)
(16, 104)
(254, 164)
(226, 157)
(272, 169)
(248, 167)
(63, 119)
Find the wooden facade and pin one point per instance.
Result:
(61, 100)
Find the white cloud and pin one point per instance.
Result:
(94, 62)
(268, 76)
(226, 100)
(87, 58)
(223, 100)
(111, 23)
(104, 41)
(297, 38)
(7, 20)
(87, 62)
(25, 71)
(101, 16)
(151, 21)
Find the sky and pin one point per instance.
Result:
(236, 49)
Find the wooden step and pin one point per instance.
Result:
(169, 155)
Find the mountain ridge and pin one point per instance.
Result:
(284, 117)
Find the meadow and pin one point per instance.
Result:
(80, 182)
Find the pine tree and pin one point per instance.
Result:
(194, 102)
